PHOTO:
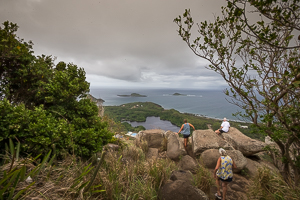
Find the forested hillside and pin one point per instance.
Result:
(139, 111)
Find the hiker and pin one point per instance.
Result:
(185, 130)
(224, 127)
(223, 172)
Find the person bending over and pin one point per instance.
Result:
(224, 127)
(186, 131)
(223, 172)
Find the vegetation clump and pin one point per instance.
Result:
(45, 106)
(139, 111)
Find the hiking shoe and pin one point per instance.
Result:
(219, 197)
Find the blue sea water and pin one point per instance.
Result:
(208, 103)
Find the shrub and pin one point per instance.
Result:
(39, 131)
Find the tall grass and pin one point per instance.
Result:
(269, 185)
(25, 178)
(124, 174)
(128, 175)
(203, 179)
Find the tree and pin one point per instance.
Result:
(44, 105)
(260, 62)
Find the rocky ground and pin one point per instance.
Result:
(203, 148)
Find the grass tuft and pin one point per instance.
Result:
(269, 185)
(203, 179)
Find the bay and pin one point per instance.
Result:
(208, 103)
(156, 123)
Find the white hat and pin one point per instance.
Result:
(225, 119)
(222, 150)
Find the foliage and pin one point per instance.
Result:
(126, 112)
(44, 105)
(28, 178)
(14, 172)
(260, 62)
(269, 185)
(35, 129)
(203, 179)
(128, 175)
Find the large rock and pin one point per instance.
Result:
(243, 143)
(175, 147)
(168, 133)
(239, 160)
(152, 154)
(153, 137)
(207, 139)
(253, 166)
(181, 190)
(210, 157)
(112, 147)
(188, 163)
(182, 175)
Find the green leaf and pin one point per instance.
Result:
(11, 147)
(98, 191)
(22, 191)
(274, 87)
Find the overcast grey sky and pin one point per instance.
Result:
(119, 43)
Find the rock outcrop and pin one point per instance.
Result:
(207, 139)
(188, 163)
(243, 143)
(204, 143)
(152, 154)
(182, 175)
(153, 137)
(181, 190)
(175, 148)
(211, 156)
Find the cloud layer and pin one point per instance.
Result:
(119, 43)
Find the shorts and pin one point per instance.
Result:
(186, 136)
(221, 131)
(226, 180)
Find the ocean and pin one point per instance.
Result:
(208, 103)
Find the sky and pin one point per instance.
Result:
(119, 43)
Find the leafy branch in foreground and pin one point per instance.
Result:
(260, 62)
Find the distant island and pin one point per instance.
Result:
(131, 95)
(178, 94)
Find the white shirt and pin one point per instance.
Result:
(225, 126)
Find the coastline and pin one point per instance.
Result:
(213, 104)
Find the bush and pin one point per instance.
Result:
(40, 131)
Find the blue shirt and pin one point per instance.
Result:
(186, 129)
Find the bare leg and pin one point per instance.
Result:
(218, 186)
(217, 132)
(224, 187)
(185, 142)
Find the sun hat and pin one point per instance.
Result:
(222, 151)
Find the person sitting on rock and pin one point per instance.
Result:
(224, 127)
(223, 172)
(185, 130)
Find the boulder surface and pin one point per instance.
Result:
(243, 143)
